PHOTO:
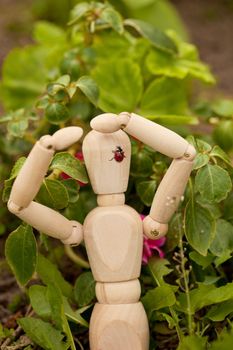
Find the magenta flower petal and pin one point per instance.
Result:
(79, 155)
(161, 253)
(147, 248)
(156, 242)
(151, 245)
(144, 259)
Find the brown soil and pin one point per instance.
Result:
(210, 24)
(15, 18)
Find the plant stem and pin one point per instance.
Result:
(184, 272)
(172, 311)
(186, 287)
(76, 258)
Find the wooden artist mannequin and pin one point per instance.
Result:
(113, 232)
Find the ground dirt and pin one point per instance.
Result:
(210, 24)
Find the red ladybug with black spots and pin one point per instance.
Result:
(119, 154)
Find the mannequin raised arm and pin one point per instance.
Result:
(163, 140)
(28, 182)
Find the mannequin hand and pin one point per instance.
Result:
(62, 138)
(109, 122)
(153, 229)
(76, 236)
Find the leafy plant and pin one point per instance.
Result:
(67, 77)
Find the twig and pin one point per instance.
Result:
(23, 341)
(7, 282)
(17, 331)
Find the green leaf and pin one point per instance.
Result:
(53, 194)
(146, 191)
(201, 260)
(70, 166)
(39, 301)
(89, 87)
(158, 298)
(84, 289)
(228, 207)
(205, 295)
(47, 33)
(43, 102)
(158, 38)
(18, 121)
(221, 259)
(23, 77)
(9, 182)
(224, 341)
(172, 119)
(223, 240)
(213, 208)
(224, 108)
(193, 342)
(141, 165)
(111, 44)
(217, 152)
(208, 280)
(203, 146)
(113, 18)
(75, 316)
(43, 334)
(220, 311)
(78, 12)
(64, 80)
(223, 134)
(200, 161)
(79, 210)
(213, 183)
(7, 190)
(56, 89)
(55, 300)
(57, 113)
(171, 322)
(164, 96)
(199, 227)
(158, 269)
(117, 79)
(21, 253)
(49, 274)
(162, 63)
(175, 230)
(17, 167)
(17, 128)
(72, 188)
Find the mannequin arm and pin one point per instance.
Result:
(172, 186)
(165, 141)
(28, 182)
(167, 198)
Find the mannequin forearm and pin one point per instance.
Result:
(170, 190)
(29, 180)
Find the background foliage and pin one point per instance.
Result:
(66, 77)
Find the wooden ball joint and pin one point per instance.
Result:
(113, 232)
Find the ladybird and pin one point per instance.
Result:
(119, 154)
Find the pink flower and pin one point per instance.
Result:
(79, 156)
(151, 245)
